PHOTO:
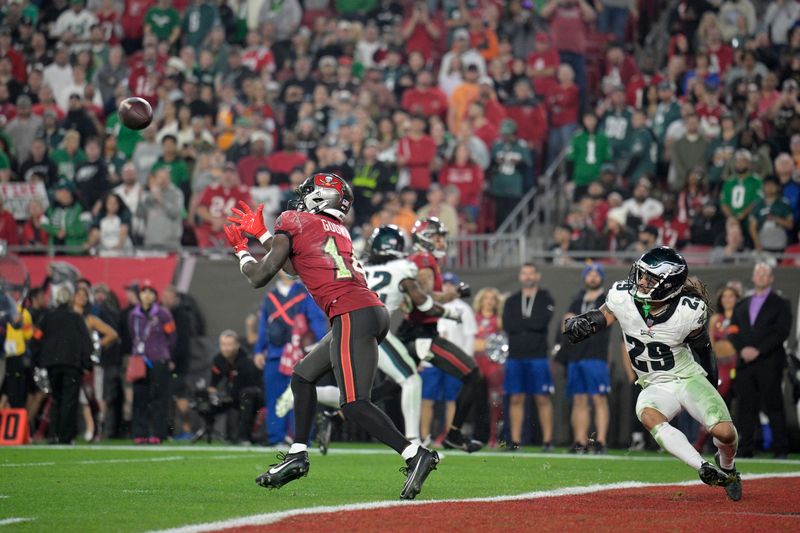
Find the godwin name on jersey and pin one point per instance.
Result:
(657, 345)
(385, 280)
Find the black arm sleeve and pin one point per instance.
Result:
(701, 346)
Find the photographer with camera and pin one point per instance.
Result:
(235, 387)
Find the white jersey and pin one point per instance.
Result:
(385, 280)
(657, 346)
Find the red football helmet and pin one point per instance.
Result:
(324, 193)
(422, 235)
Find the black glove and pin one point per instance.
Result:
(577, 328)
(464, 290)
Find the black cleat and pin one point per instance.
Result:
(512, 447)
(711, 475)
(325, 421)
(455, 440)
(733, 485)
(578, 448)
(292, 466)
(598, 448)
(417, 471)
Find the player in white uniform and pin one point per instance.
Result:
(663, 320)
(394, 279)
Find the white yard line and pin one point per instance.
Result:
(271, 518)
(10, 521)
(382, 451)
(112, 461)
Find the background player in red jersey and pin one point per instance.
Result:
(215, 203)
(321, 252)
(418, 331)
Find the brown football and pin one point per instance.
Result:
(135, 113)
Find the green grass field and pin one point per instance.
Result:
(137, 489)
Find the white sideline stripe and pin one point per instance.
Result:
(271, 518)
(9, 521)
(111, 461)
(3, 496)
(378, 451)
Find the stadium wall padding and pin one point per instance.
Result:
(226, 297)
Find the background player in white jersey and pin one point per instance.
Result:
(663, 320)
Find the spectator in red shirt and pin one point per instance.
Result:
(542, 65)
(282, 162)
(529, 114)
(8, 226)
(17, 60)
(720, 54)
(495, 112)
(462, 172)
(421, 33)
(215, 206)
(563, 101)
(636, 87)
(481, 127)
(416, 153)
(133, 23)
(33, 234)
(260, 146)
(672, 231)
(620, 68)
(569, 21)
(424, 98)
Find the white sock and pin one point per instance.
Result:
(726, 452)
(297, 448)
(410, 451)
(677, 444)
(328, 396)
(410, 402)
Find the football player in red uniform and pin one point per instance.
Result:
(314, 242)
(418, 331)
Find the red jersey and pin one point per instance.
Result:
(418, 155)
(133, 18)
(109, 21)
(564, 103)
(538, 61)
(426, 260)
(531, 120)
(426, 102)
(322, 255)
(220, 200)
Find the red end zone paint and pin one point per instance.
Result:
(768, 505)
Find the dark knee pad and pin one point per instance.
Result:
(354, 408)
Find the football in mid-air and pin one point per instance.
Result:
(135, 113)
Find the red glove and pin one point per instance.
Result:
(236, 239)
(250, 222)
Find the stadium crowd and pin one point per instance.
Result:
(449, 108)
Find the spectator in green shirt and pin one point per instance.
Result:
(198, 19)
(742, 190)
(69, 156)
(66, 223)
(587, 152)
(771, 218)
(642, 149)
(163, 21)
(179, 171)
(511, 161)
